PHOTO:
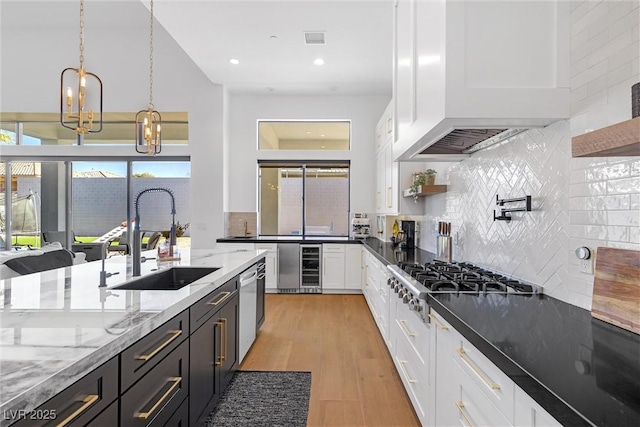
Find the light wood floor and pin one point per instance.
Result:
(353, 380)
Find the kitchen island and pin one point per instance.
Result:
(58, 325)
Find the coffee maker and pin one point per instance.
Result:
(409, 230)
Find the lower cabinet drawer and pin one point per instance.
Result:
(412, 331)
(155, 398)
(80, 403)
(142, 356)
(473, 406)
(489, 379)
(414, 375)
(207, 306)
(181, 417)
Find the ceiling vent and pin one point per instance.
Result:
(315, 37)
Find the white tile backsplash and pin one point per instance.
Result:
(576, 202)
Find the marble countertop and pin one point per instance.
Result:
(58, 325)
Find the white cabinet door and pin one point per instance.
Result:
(390, 181)
(380, 169)
(333, 264)
(529, 413)
(446, 411)
(404, 90)
(354, 267)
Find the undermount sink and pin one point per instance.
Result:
(168, 280)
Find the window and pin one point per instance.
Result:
(304, 198)
(304, 135)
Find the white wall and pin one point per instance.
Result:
(246, 110)
(576, 201)
(32, 59)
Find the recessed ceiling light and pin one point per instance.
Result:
(308, 133)
(322, 135)
(318, 61)
(234, 61)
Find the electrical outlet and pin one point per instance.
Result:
(586, 266)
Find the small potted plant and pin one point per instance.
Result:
(427, 177)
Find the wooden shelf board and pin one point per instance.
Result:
(426, 190)
(621, 139)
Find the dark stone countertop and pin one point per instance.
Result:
(582, 370)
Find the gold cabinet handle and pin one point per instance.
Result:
(219, 357)
(464, 413)
(403, 324)
(378, 197)
(477, 370)
(174, 334)
(437, 322)
(405, 373)
(176, 383)
(88, 401)
(390, 202)
(225, 295)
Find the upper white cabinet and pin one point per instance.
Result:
(392, 177)
(477, 65)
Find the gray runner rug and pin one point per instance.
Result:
(264, 398)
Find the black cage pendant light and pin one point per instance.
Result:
(81, 95)
(149, 121)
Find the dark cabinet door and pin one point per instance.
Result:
(108, 417)
(205, 355)
(214, 356)
(154, 399)
(228, 317)
(260, 311)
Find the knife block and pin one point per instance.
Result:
(444, 248)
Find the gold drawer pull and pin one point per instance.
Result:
(477, 370)
(405, 373)
(174, 334)
(88, 401)
(219, 358)
(406, 329)
(464, 413)
(176, 383)
(224, 297)
(437, 322)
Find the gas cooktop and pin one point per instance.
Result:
(439, 276)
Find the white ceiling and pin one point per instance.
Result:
(357, 52)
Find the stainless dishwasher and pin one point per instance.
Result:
(288, 268)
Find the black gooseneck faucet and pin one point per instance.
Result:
(137, 241)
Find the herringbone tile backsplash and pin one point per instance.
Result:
(576, 202)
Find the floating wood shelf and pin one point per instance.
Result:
(621, 139)
(426, 190)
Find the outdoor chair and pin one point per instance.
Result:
(121, 245)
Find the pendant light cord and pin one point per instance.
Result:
(81, 34)
(151, 59)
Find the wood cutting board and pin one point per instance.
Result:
(616, 288)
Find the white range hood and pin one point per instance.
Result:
(470, 73)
